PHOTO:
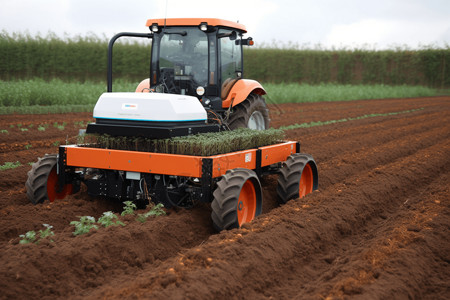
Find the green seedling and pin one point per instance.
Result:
(4, 131)
(155, 211)
(41, 128)
(46, 232)
(129, 208)
(31, 236)
(10, 165)
(109, 219)
(28, 146)
(83, 226)
(23, 129)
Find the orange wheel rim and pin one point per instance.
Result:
(246, 206)
(306, 181)
(52, 185)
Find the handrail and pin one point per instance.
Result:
(110, 52)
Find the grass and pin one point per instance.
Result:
(299, 93)
(35, 93)
(37, 96)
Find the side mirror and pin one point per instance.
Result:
(247, 42)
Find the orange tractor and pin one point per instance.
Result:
(195, 85)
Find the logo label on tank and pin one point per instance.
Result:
(129, 106)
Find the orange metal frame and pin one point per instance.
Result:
(174, 164)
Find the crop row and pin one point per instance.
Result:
(84, 58)
(87, 224)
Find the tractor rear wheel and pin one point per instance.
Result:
(251, 113)
(298, 177)
(42, 181)
(237, 199)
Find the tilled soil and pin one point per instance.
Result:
(377, 228)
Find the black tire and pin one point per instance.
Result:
(39, 184)
(228, 210)
(242, 113)
(289, 180)
(36, 184)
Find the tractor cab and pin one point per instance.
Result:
(200, 58)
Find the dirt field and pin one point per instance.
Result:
(377, 228)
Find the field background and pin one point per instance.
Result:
(84, 59)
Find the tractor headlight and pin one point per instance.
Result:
(154, 27)
(203, 26)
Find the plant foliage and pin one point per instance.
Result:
(205, 144)
(83, 59)
(109, 219)
(83, 226)
(155, 211)
(32, 236)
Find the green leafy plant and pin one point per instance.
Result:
(155, 211)
(4, 131)
(46, 232)
(129, 208)
(109, 219)
(23, 129)
(31, 236)
(28, 146)
(83, 226)
(56, 144)
(10, 165)
(41, 128)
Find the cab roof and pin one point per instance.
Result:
(196, 22)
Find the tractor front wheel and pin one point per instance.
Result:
(298, 177)
(237, 199)
(42, 181)
(251, 113)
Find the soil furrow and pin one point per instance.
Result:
(293, 231)
(357, 264)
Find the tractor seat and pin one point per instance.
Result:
(226, 87)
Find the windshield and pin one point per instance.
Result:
(183, 61)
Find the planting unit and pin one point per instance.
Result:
(231, 181)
